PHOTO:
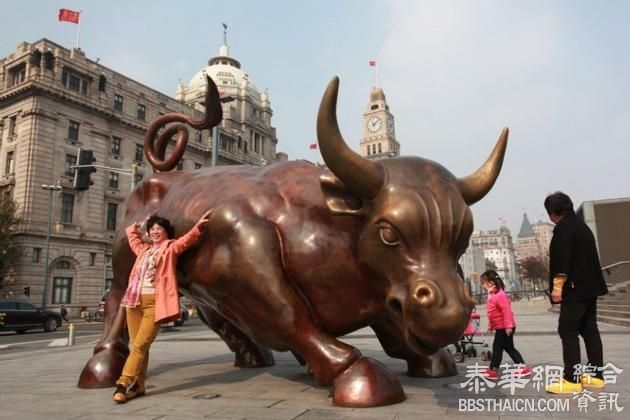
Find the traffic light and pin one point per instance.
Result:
(82, 174)
(27, 290)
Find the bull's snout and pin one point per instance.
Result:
(423, 295)
(434, 315)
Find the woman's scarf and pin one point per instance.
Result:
(134, 289)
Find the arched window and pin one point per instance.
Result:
(63, 265)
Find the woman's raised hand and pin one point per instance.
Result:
(204, 219)
(146, 219)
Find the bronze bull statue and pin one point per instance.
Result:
(297, 255)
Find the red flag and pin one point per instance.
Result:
(67, 15)
(313, 146)
(372, 63)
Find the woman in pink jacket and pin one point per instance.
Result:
(501, 320)
(151, 297)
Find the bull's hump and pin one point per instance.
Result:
(267, 190)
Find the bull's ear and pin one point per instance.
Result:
(337, 197)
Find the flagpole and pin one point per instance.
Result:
(376, 74)
(79, 29)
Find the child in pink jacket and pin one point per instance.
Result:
(501, 320)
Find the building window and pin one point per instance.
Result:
(62, 286)
(17, 74)
(368, 150)
(112, 209)
(74, 81)
(71, 160)
(62, 265)
(67, 207)
(180, 165)
(108, 284)
(199, 136)
(73, 131)
(36, 255)
(118, 102)
(197, 165)
(113, 180)
(108, 260)
(139, 153)
(36, 58)
(12, 125)
(8, 164)
(49, 60)
(102, 83)
(379, 148)
(141, 112)
(92, 258)
(114, 147)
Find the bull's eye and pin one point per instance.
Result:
(388, 235)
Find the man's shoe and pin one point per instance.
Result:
(134, 391)
(120, 394)
(490, 373)
(589, 381)
(564, 387)
(522, 372)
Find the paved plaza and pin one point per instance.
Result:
(187, 374)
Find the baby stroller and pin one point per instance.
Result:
(466, 345)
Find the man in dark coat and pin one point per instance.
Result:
(576, 281)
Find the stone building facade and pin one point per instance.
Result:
(527, 243)
(533, 239)
(473, 263)
(54, 100)
(498, 247)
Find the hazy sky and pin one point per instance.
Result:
(454, 73)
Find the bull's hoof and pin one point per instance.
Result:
(367, 383)
(252, 356)
(438, 365)
(103, 369)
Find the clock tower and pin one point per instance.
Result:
(379, 135)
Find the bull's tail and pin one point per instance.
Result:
(155, 145)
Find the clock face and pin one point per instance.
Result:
(390, 126)
(374, 124)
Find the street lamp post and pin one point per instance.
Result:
(50, 189)
(215, 134)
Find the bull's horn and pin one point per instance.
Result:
(360, 175)
(474, 187)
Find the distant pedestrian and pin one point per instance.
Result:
(501, 321)
(576, 281)
(151, 296)
(64, 313)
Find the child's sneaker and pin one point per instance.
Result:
(490, 373)
(522, 372)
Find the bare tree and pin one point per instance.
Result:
(536, 270)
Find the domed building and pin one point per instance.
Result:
(245, 134)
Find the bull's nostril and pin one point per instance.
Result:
(425, 295)
(394, 306)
